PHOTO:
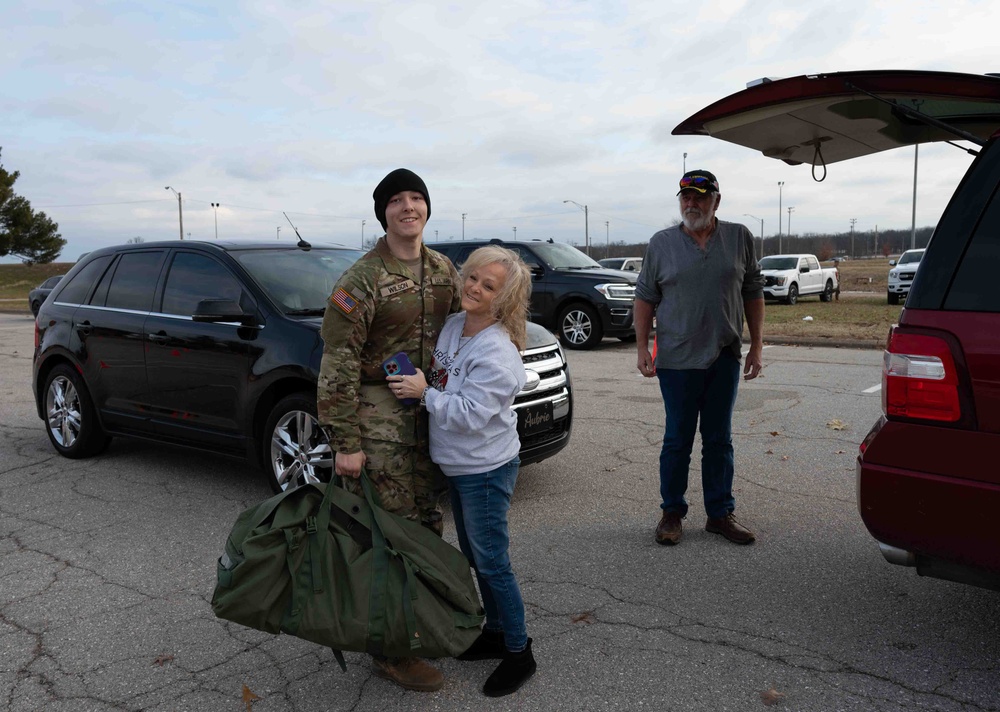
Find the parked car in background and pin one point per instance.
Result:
(927, 481)
(901, 275)
(788, 277)
(570, 293)
(625, 264)
(216, 345)
(37, 295)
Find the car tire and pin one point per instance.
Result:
(892, 298)
(827, 294)
(793, 294)
(35, 306)
(70, 417)
(580, 326)
(295, 448)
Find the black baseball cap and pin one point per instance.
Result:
(702, 181)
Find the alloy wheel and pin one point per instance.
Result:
(300, 451)
(63, 412)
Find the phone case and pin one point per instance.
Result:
(400, 365)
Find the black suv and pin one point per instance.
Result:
(216, 345)
(570, 293)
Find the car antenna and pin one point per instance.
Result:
(302, 243)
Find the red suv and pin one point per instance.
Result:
(928, 472)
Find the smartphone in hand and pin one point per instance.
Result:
(399, 364)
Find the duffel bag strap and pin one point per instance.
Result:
(380, 575)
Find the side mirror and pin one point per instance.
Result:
(221, 310)
(892, 263)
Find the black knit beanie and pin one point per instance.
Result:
(396, 182)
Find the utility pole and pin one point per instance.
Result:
(515, 234)
(180, 211)
(463, 225)
(215, 207)
(607, 237)
(363, 234)
(780, 183)
(277, 234)
(853, 220)
(913, 223)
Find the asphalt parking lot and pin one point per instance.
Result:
(109, 565)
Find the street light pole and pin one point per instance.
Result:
(363, 234)
(277, 235)
(180, 211)
(607, 237)
(853, 220)
(463, 225)
(790, 209)
(780, 183)
(685, 162)
(761, 231)
(913, 218)
(586, 224)
(215, 207)
(515, 234)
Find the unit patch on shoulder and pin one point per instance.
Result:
(345, 301)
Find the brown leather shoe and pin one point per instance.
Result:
(409, 673)
(728, 527)
(668, 531)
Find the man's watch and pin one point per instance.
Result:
(423, 397)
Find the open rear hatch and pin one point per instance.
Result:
(824, 118)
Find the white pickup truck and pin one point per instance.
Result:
(788, 277)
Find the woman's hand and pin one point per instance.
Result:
(407, 386)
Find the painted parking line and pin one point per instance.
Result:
(873, 389)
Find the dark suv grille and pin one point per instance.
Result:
(554, 387)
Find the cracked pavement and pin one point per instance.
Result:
(108, 567)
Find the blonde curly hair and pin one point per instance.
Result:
(510, 306)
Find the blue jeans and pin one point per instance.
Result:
(709, 395)
(479, 504)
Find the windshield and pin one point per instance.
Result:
(779, 262)
(910, 257)
(298, 281)
(559, 255)
(613, 262)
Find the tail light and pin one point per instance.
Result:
(919, 378)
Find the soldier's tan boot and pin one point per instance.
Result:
(409, 673)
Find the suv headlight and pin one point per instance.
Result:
(892, 274)
(621, 292)
(779, 281)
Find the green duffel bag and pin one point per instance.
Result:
(323, 564)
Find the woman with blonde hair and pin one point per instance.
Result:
(469, 393)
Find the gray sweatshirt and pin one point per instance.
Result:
(474, 380)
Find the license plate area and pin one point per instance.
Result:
(533, 419)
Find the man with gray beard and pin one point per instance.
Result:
(700, 279)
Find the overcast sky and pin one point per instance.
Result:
(506, 109)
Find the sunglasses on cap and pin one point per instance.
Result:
(699, 183)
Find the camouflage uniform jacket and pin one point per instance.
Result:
(377, 309)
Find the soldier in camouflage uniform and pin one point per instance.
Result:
(393, 299)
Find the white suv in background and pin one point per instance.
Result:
(901, 274)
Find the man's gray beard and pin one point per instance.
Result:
(697, 224)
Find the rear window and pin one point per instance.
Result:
(973, 288)
(134, 281)
(76, 290)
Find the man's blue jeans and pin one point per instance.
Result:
(479, 504)
(708, 395)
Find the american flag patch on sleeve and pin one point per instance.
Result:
(345, 301)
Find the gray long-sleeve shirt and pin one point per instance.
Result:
(699, 294)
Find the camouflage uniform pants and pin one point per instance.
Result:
(407, 483)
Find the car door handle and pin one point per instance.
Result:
(159, 338)
(85, 328)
